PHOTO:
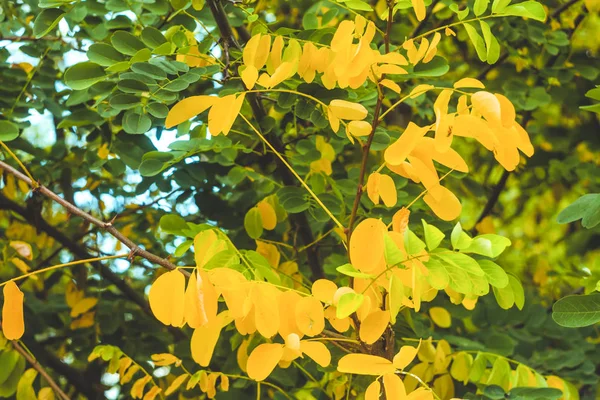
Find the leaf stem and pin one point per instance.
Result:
(302, 182)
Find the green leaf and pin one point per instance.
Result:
(577, 311)
(292, 199)
(152, 37)
(8, 361)
(505, 296)
(491, 43)
(358, 5)
(479, 367)
(477, 41)
(438, 66)
(126, 43)
(438, 276)
(183, 248)
(348, 303)
(459, 239)
(586, 208)
(149, 70)
(518, 292)
(104, 54)
(533, 393)
(396, 294)
(8, 131)
(154, 162)
(223, 259)
(593, 94)
(349, 270)
(9, 386)
(412, 244)
(480, 6)
(83, 75)
(494, 392)
(136, 123)
(461, 261)
(262, 265)
(494, 274)
(499, 243)
(173, 224)
(433, 236)
(157, 110)
(124, 101)
(527, 9)
(392, 253)
(500, 374)
(499, 5)
(46, 21)
(132, 86)
(253, 223)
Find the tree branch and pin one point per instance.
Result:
(82, 253)
(299, 221)
(107, 226)
(38, 367)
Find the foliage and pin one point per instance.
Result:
(268, 199)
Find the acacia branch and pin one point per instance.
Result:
(107, 226)
(299, 221)
(38, 367)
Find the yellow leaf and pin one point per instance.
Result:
(267, 214)
(449, 32)
(449, 158)
(367, 245)
(419, 7)
(188, 108)
(387, 190)
(46, 394)
(152, 393)
(431, 52)
(269, 251)
(398, 151)
(287, 319)
(129, 374)
(137, 390)
(365, 364)
(83, 306)
(340, 325)
(487, 105)
(124, 363)
(343, 109)
(405, 356)
(359, 128)
(167, 298)
(224, 383)
(249, 76)
(250, 49)
(23, 248)
(206, 245)
(373, 187)
(13, 325)
(390, 85)
(204, 340)
(266, 309)
(317, 351)
(441, 317)
(447, 207)
(323, 290)
(85, 321)
(164, 359)
(177, 382)
(419, 90)
(223, 113)
(469, 83)
(201, 300)
(374, 326)
(242, 355)
(21, 265)
(444, 386)
(443, 122)
(309, 316)
(263, 360)
(373, 391)
(394, 387)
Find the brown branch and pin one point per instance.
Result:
(38, 367)
(82, 253)
(299, 221)
(107, 226)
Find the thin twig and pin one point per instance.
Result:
(135, 250)
(38, 367)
